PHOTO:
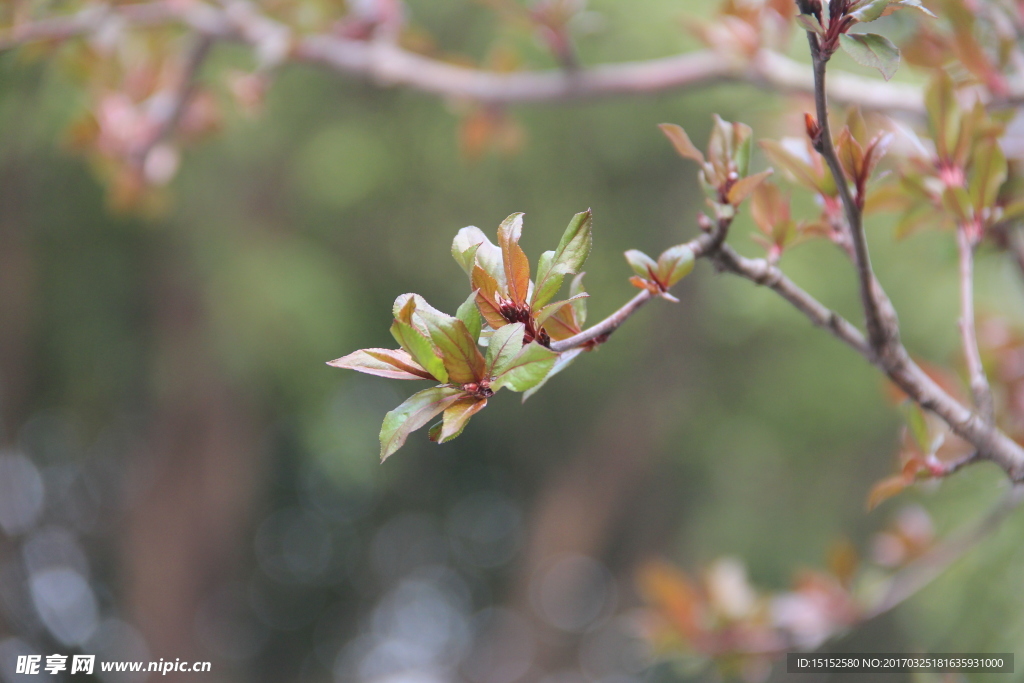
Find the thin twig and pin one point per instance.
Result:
(883, 331)
(968, 329)
(606, 326)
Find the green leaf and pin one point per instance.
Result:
(796, 168)
(988, 173)
(958, 202)
(568, 258)
(871, 49)
(504, 345)
(458, 349)
(642, 264)
(419, 347)
(470, 316)
(870, 10)
(390, 363)
(456, 417)
(944, 113)
(543, 314)
(720, 150)
(681, 141)
(579, 306)
(564, 359)
(415, 412)
(414, 310)
(674, 264)
(527, 369)
(484, 253)
(548, 281)
(744, 143)
(913, 4)
(810, 23)
(465, 246)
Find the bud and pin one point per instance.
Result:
(813, 129)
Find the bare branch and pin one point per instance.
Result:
(385, 63)
(979, 382)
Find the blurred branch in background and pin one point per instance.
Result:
(387, 64)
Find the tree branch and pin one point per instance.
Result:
(385, 63)
(883, 329)
(979, 382)
(167, 106)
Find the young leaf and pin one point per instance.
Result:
(914, 4)
(851, 154)
(871, 49)
(470, 316)
(414, 310)
(988, 173)
(870, 10)
(642, 264)
(548, 281)
(487, 297)
(458, 350)
(885, 489)
(563, 323)
(390, 363)
(419, 347)
(943, 113)
(569, 257)
(674, 264)
(517, 267)
(467, 242)
(543, 314)
(743, 146)
(415, 412)
(681, 141)
(527, 369)
(811, 23)
(744, 186)
(797, 169)
(504, 346)
(456, 417)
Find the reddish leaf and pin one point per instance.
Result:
(487, 297)
(744, 186)
(391, 363)
(886, 488)
(681, 141)
(517, 267)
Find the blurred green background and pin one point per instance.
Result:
(172, 435)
